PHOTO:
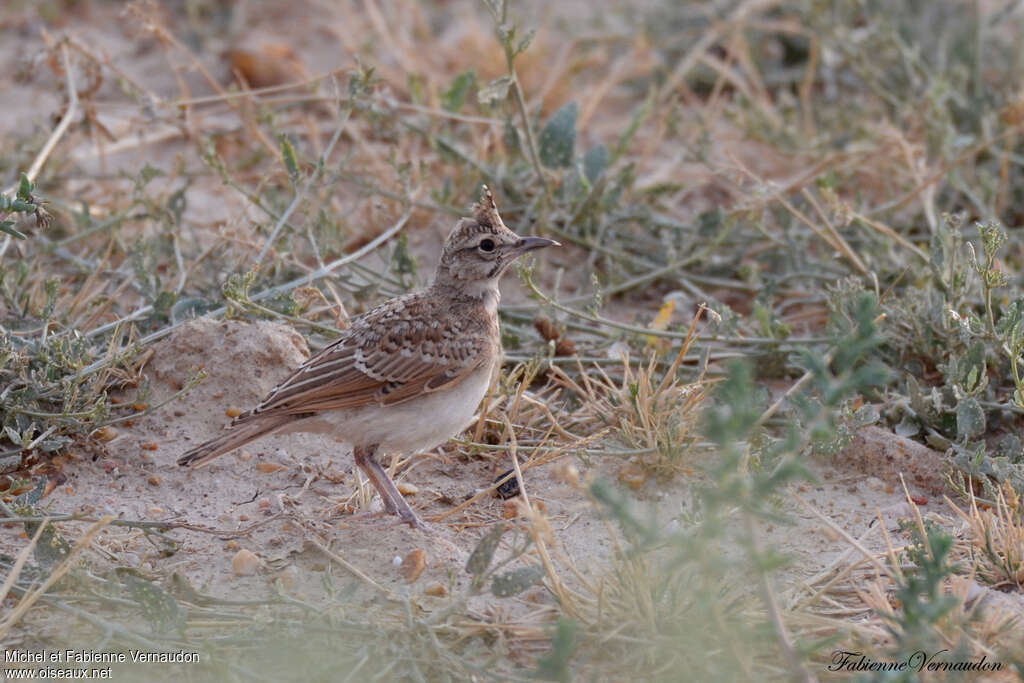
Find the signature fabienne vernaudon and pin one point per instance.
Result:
(844, 660)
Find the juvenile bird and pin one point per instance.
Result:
(405, 376)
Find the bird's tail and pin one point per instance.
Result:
(237, 435)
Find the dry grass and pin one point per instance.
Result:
(997, 537)
(651, 410)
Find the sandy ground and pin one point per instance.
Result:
(271, 497)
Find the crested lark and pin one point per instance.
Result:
(405, 376)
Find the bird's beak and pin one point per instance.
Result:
(526, 244)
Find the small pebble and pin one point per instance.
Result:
(106, 433)
(414, 564)
(437, 590)
(154, 480)
(407, 489)
(245, 563)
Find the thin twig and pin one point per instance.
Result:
(301, 194)
(63, 568)
(146, 524)
(55, 136)
(265, 294)
(793, 659)
(348, 566)
(799, 384)
(19, 563)
(500, 15)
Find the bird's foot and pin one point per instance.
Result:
(390, 519)
(416, 523)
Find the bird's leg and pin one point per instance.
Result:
(364, 458)
(394, 502)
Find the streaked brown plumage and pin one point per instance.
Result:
(406, 375)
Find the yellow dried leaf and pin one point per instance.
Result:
(414, 564)
(660, 324)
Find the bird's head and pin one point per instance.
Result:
(479, 249)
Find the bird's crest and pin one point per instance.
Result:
(485, 211)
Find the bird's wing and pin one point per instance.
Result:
(393, 353)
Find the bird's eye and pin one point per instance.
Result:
(487, 245)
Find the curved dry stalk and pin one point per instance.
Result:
(55, 136)
(33, 595)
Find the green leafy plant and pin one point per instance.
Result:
(25, 203)
(506, 584)
(921, 595)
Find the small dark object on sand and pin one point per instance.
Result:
(510, 489)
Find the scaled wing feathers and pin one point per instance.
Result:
(385, 357)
